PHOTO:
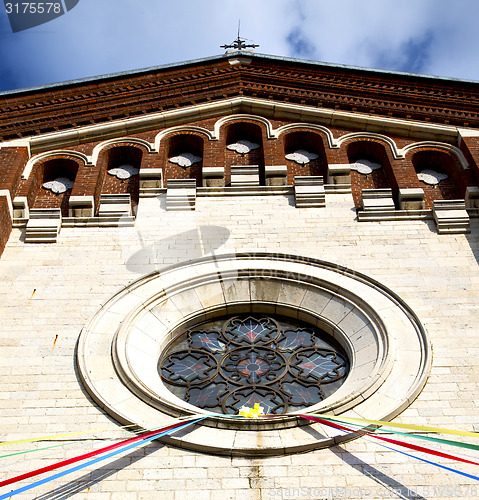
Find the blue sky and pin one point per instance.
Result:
(437, 37)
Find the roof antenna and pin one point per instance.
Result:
(239, 43)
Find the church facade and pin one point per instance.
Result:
(241, 231)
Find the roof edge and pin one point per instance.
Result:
(229, 55)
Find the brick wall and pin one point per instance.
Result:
(12, 162)
(5, 223)
(92, 180)
(470, 148)
(426, 99)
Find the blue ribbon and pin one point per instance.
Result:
(96, 460)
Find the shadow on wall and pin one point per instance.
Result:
(90, 479)
(473, 239)
(191, 244)
(385, 487)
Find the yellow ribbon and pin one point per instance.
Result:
(58, 436)
(256, 412)
(385, 423)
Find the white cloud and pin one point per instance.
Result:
(432, 36)
(429, 36)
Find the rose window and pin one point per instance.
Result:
(224, 365)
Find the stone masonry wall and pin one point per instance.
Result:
(49, 291)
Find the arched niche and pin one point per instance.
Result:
(124, 155)
(123, 158)
(47, 172)
(179, 163)
(310, 142)
(379, 178)
(244, 131)
(438, 164)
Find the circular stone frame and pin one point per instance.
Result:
(387, 347)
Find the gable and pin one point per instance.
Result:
(69, 105)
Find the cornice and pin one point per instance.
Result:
(100, 101)
(237, 105)
(421, 100)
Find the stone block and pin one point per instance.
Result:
(411, 198)
(339, 173)
(181, 194)
(377, 200)
(81, 206)
(472, 197)
(43, 225)
(276, 175)
(451, 216)
(114, 205)
(244, 175)
(213, 176)
(151, 179)
(20, 207)
(309, 191)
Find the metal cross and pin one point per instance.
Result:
(239, 44)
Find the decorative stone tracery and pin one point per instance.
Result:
(255, 359)
(386, 346)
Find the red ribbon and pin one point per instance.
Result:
(88, 455)
(394, 441)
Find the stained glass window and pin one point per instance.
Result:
(226, 364)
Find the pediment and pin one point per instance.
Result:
(207, 84)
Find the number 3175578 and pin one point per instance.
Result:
(33, 8)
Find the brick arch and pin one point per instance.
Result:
(447, 148)
(114, 154)
(304, 138)
(324, 132)
(239, 127)
(124, 142)
(121, 141)
(374, 149)
(50, 167)
(184, 141)
(31, 163)
(444, 161)
(388, 143)
(262, 122)
(185, 129)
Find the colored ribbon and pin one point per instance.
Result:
(329, 420)
(433, 439)
(42, 449)
(423, 428)
(465, 474)
(63, 463)
(58, 436)
(159, 433)
(394, 441)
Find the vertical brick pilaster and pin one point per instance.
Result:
(5, 223)
(12, 163)
(470, 148)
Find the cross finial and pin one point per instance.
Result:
(239, 43)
